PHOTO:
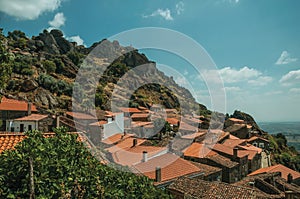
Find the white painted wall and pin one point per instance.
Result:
(16, 125)
(115, 126)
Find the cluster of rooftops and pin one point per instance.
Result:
(195, 163)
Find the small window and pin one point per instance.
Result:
(261, 145)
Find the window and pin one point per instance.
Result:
(261, 145)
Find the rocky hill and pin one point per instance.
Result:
(44, 67)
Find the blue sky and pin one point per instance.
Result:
(255, 44)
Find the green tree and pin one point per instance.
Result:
(64, 168)
(5, 63)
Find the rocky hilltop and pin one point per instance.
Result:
(44, 68)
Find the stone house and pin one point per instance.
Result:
(100, 130)
(259, 142)
(11, 109)
(32, 122)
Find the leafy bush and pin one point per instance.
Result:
(49, 66)
(64, 168)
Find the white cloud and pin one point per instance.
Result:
(274, 93)
(232, 89)
(76, 39)
(29, 9)
(292, 77)
(295, 90)
(261, 81)
(58, 20)
(166, 14)
(179, 7)
(285, 58)
(231, 75)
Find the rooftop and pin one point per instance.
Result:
(257, 138)
(82, 116)
(277, 168)
(124, 143)
(172, 167)
(129, 110)
(15, 105)
(134, 155)
(32, 117)
(196, 188)
(116, 138)
(172, 121)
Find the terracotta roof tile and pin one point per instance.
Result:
(172, 121)
(32, 117)
(207, 169)
(15, 105)
(99, 123)
(277, 168)
(10, 140)
(193, 135)
(187, 127)
(196, 188)
(171, 166)
(197, 150)
(140, 115)
(123, 144)
(255, 138)
(82, 116)
(233, 142)
(129, 110)
(116, 138)
(134, 155)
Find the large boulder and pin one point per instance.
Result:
(29, 85)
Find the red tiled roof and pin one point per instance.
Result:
(171, 110)
(233, 137)
(194, 135)
(130, 110)
(250, 147)
(256, 138)
(186, 127)
(277, 168)
(233, 142)
(134, 155)
(32, 117)
(15, 105)
(197, 188)
(99, 123)
(172, 121)
(171, 166)
(139, 124)
(10, 140)
(124, 143)
(227, 150)
(197, 150)
(116, 138)
(82, 116)
(140, 115)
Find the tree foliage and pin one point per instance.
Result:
(5, 62)
(64, 168)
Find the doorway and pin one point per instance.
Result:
(21, 127)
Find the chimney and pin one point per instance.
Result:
(289, 178)
(289, 195)
(134, 142)
(29, 105)
(235, 152)
(145, 156)
(157, 174)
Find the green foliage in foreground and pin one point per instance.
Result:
(64, 168)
